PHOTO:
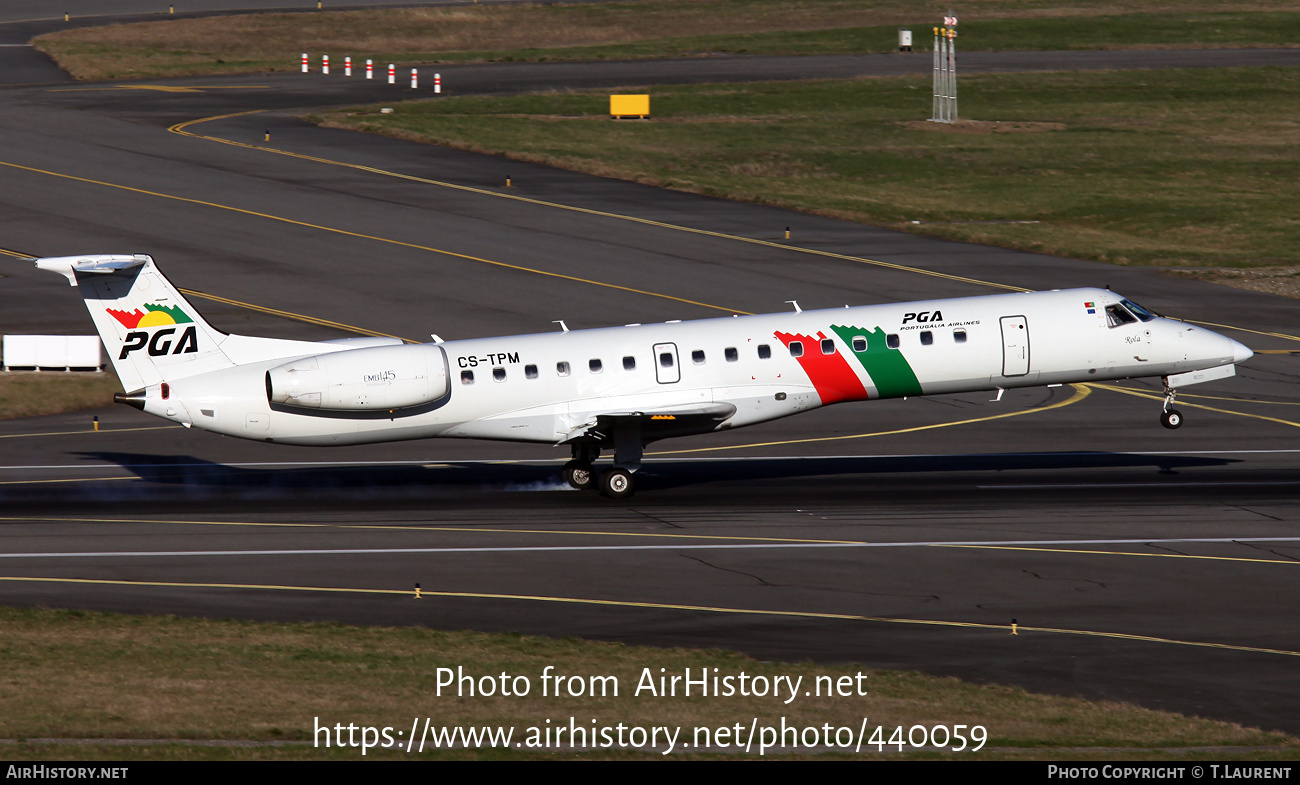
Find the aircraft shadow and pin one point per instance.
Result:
(189, 481)
(335, 481)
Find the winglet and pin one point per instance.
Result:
(69, 266)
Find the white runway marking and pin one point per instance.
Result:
(579, 548)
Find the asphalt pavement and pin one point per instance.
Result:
(1140, 564)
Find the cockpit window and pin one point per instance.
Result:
(1138, 310)
(1117, 316)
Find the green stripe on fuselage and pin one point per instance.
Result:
(888, 368)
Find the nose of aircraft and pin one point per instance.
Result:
(1240, 352)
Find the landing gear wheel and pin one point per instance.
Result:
(616, 483)
(579, 474)
(1171, 419)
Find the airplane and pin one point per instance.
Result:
(619, 388)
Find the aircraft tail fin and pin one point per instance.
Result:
(151, 332)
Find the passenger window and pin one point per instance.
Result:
(764, 351)
(466, 377)
(629, 363)
(1117, 316)
(891, 340)
(731, 354)
(796, 348)
(530, 371)
(594, 366)
(561, 369)
(927, 338)
(859, 343)
(697, 357)
(666, 359)
(828, 346)
(959, 336)
(499, 374)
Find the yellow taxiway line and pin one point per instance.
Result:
(160, 88)
(624, 535)
(1157, 397)
(1285, 336)
(1084, 552)
(291, 315)
(1002, 629)
(434, 529)
(88, 430)
(180, 128)
(252, 307)
(362, 236)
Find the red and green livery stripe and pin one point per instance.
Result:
(889, 370)
(830, 374)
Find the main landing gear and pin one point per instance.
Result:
(1170, 418)
(579, 475)
(579, 472)
(616, 481)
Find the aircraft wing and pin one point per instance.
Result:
(653, 424)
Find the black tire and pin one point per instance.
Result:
(616, 483)
(579, 475)
(1171, 419)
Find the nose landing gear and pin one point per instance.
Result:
(1170, 418)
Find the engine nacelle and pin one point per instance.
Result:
(377, 378)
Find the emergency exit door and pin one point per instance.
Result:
(666, 368)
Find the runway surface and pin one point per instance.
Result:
(1140, 564)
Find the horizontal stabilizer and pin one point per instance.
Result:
(68, 266)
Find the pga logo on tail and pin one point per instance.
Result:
(157, 316)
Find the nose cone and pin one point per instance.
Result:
(1240, 352)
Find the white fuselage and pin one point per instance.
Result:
(547, 387)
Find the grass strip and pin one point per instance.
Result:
(27, 394)
(258, 43)
(196, 686)
(1176, 168)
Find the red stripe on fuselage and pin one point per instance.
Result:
(831, 374)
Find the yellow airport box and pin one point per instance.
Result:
(621, 106)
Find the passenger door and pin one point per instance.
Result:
(1015, 346)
